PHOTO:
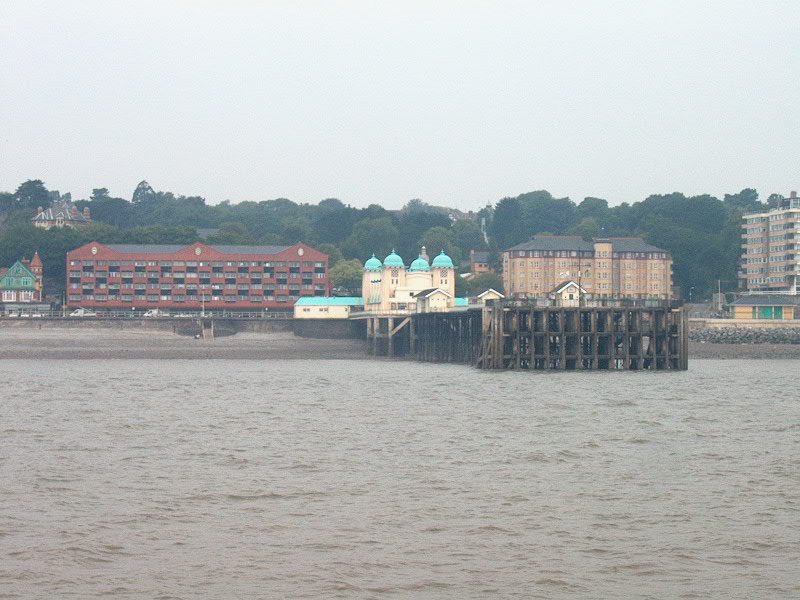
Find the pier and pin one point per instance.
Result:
(508, 336)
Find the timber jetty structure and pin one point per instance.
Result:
(507, 335)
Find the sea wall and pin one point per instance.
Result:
(305, 328)
(172, 325)
(742, 324)
(329, 328)
(746, 335)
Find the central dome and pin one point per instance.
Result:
(393, 260)
(420, 264)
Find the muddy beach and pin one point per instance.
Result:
(89, 343)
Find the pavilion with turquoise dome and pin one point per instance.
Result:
(388, 286)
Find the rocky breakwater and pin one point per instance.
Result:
(746, 335)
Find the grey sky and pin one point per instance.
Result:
(456, 103)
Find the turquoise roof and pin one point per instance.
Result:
(420, 264)
(461, 301)
(373, 264)
(442, 261)
(329, 301)
(393, 260)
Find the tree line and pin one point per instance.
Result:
(702, 232)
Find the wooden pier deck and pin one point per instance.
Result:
(539, 338)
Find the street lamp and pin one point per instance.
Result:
(580, 289)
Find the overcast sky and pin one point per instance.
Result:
(457, 103)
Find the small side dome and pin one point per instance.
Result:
(442, 261)
(393, 260)
(373, 264)
(420, 264)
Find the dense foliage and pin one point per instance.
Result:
(702, 232)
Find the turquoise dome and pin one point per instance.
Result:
(372, 264)
(393, 260)
(442, 261)
(420, 264)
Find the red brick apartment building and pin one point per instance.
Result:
(178, 278)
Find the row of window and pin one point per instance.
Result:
(202, 275)
(19, 281)
(190, 263)
(172, 298)
(190, 272)
(17, 295)
(585, 254)
(212, 287)
(628, 286)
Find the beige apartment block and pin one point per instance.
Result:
(771, 249)
(604, 268)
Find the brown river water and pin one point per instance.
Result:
(378, 479)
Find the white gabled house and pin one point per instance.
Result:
(568, 293)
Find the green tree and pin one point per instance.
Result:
(334, 254)
(587, 229)
(415, 219)
(480, 283)
(346, 277)
(32, 194)
(105, 209)
(508, 223)
(371, 235)
(332, 221)
(467, 236)
(746, 200)
(142, 193)
(437, 239)
(234, 234)
(543, 212)
(774, 200)
(99, 194)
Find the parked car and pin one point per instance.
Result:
(154, 312)
(82, 312)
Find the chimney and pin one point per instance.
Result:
(792, 194)
(39, 210)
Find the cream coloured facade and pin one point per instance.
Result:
(603, 268)
(569, 294)
(490, 295)
(771, 249)
(389, 286)
(326, 307)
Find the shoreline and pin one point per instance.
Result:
(54, 343)
(96, 344)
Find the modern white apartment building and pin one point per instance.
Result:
(771, 249)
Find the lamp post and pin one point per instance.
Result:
(580, 287)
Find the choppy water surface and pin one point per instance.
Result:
(246, 479)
